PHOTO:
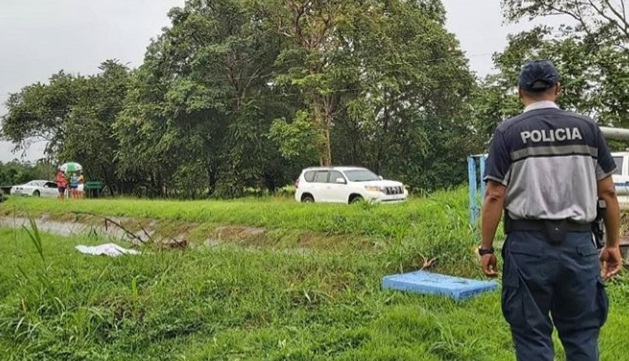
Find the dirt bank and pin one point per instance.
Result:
(178, 234)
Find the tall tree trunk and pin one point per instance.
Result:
(109, 181)
(212, 174)
(328, 147)
(323, 121)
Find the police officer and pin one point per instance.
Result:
(546, 169)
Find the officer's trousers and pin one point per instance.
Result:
(546, 285)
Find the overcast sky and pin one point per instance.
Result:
(41, 37)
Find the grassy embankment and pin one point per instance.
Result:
(232, 303)
(434, 227)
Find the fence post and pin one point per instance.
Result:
(475, 207)
(481, 159)
(471, 174)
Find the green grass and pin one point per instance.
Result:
(230, 303)
(431, 227)
(237, 302)
(417, 218)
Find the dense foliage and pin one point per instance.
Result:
(241, 94)
(590, 51)
(15, 172)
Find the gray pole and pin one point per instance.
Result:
(615, 133)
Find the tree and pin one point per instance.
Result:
(374, 90)
(237, 94)
(591, 55)
(594, 20)
(13, 173)
(310, 28)
(202, 99)
(42, 111)
(89, 138)
(74, 114)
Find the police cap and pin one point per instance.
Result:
(538, 76)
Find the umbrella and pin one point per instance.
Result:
(71, 167)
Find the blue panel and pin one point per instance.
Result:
(436, 284)
(474, 180)
(471, 174)
(482, 174)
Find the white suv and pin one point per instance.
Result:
(621, 176)
(346, 185)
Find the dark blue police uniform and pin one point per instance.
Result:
(550, 160)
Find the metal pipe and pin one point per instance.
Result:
(615, 133)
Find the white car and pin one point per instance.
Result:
(36, 188)
(621, 176)
(346, 185)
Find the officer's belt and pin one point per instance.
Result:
(512, 225)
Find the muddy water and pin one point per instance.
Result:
(113, 232)
(67, 229)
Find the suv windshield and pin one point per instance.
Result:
(361, 175)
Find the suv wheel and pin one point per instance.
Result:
(36, 194)
(355, 199)
(307, 198)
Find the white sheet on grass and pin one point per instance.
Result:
(109, 249)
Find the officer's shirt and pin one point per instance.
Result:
(549, 160)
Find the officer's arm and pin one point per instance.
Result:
(607, 192)
(491, 212)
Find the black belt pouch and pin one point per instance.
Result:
(556, 231)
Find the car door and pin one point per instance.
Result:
(336, 188)
(35, 187)
(318, 186)
(50, 189)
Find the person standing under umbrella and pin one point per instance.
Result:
(80, 188)
(62, 184)
(74, 184)
(72, 167)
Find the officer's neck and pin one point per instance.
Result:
(539, 103)
(530, 101)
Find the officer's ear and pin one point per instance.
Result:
(557, 89)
